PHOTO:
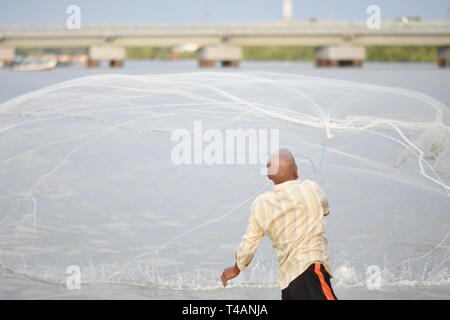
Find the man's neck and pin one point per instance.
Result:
(293, 179)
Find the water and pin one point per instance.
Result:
(426, 259)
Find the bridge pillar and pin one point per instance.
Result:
(444, 57)
(340, 56)
(228, 56)
(115, 56)
(7, 56)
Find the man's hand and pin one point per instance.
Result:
(229, 273)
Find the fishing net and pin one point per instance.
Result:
(118, 174)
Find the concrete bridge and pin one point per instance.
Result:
(337, 43)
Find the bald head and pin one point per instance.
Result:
(282, 167)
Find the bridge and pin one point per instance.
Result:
(335, 41)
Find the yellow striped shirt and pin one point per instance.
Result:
(293, 217)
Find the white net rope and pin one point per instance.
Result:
(87, 179)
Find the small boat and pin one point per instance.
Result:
(35, 65)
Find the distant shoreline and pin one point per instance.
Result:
(272, 53)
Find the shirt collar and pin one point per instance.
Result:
(284, 185)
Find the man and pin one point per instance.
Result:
(293, 217)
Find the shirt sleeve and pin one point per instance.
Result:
(323, 199)
(250, 241)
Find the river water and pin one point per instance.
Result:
(261, 284)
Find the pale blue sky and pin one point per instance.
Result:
(147, 11)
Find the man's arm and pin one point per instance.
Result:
(246, 249)
(250, 241)
(322, 199)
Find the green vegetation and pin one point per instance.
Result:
(278, 53)
(402, 53)
(269, 53)
(249, 53)
(156, 53)
(56, 51)
(293, 53)
(378, 53)
(152, 53)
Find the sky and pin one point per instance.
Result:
(148, 11)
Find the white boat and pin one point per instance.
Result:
(36, 65)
